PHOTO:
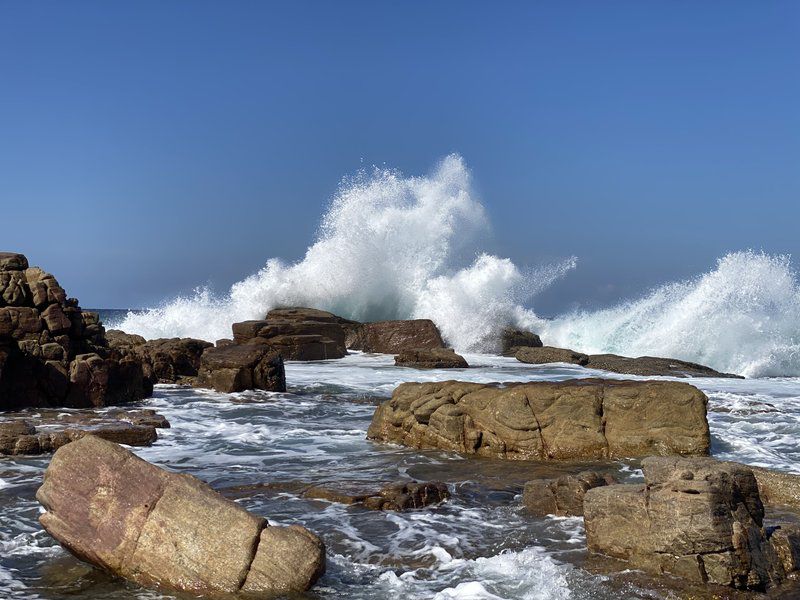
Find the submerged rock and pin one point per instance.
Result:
(562, 496)
(696, 518)
(238, 368)
(167, 530)
(549, 354)
(392, 337)
(576, 419)
(395, 496)
(53, 353)
(430, 358)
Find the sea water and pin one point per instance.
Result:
(256, 446)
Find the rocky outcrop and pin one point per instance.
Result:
(778, 488)
(53, 353)
(170, 360)
(512, 340)
(563, 496)
(395, 496)
(296, 333)
(646, 366)
(47, 431)
(242, 367)
(430, 358)
(167, 530)
(392, 337)
(696, 518)
(576, 419)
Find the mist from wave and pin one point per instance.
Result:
(396, 247)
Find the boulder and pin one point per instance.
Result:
(395, 496)
(391, 337)
(562, 496)
(696, 518)
(296, 333)
(575, 419)
(242, 367)
(53, 353)
(650, 365)
(511, 340)
(549, 354)
(778, 488)
(430, 358)
(167, 530)
(165, 360)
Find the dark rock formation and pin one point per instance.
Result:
(242, 367)
(696, 518)
(391, 337)
(512, 340)
(46, 431)
(563, 496)
(163, 360)
(430, 358)
(395, 496)
(52, 353)
(588, 418)
(160, 529)
(296, 333)
(646, 366)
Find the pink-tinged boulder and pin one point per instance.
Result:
(167, 530)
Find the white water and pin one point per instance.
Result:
(391, 246)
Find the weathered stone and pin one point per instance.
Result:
(11, 261)
(549, 354)
(778, 488)
(430, 358)
(562, 496)
(242, 367)
(394, 496)
(160, 529)
(696, 518)
(589, 418)
(512, 340)
(391, 337)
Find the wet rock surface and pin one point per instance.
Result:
(236, 368)
(430, 358)
(167, 530)
(392, 337)
(172, 360)
(512, 340)
(575, 419)
(549, 354)
(696, 518)
(43, 432)
(563, 496)
(395, 496)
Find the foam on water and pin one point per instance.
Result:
(395, 247)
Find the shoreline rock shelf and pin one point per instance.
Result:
(168, 530)
(575, 419)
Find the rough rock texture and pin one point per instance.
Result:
(46, 431)
(167, 530)
(296, 333)
(563, 496)
(549, 354)
(395, 496)
(646, 366)
(696, 518)
(163, 360)
(242, 367)
(430, 358)
(52, 353)
(511, 340)
(589, 418)
(778, 488)
(391, 337)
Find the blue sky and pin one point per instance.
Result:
(149, 147)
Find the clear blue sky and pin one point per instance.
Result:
(147, 147)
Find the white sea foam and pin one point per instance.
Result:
(391, 246)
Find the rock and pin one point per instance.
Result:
(55, 429)
(224, 342)
(696, 518)
(646, 366)
(430, 358)
(563, 496)
(391, 337)
(53, 353)
(296, 333)
(549, 354)
(512, 340)
(165, 360)
(778, 488)
(167, 530)
(242, 367)
(576, 419)
(395, 496)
